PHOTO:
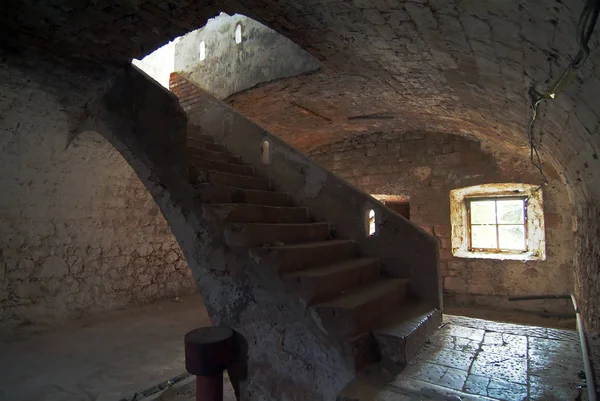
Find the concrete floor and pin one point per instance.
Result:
(99, 359)
(121, 353)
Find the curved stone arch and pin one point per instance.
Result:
(277, 333)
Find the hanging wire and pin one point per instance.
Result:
(534, 155)
(585, 28)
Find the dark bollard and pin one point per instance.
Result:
(208, 352)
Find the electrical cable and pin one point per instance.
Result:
(585, 28)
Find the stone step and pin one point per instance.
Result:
(200, 137)
(289, 258)
(252, 234)
(195, 131)
(245, 213)
(362, 309)
(404, 332)
(238, 169)
(401, 335)
(330, 281)
(238, 181)
(193, 142)
(209, 193)
(214, 156)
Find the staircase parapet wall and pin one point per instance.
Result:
(405, 249)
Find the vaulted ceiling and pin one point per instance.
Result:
(461, 66)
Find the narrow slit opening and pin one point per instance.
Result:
(238, 33)
(265, 152)
(202, 51)
(370, 223)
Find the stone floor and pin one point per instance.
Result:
(123, 353)
(500, 361)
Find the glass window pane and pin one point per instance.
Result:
(483, 237)
(511, 211)
(483, 212)
(512, 237)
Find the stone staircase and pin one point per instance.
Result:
(280, 248)
(376, 318)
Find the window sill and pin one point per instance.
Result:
(497, 256)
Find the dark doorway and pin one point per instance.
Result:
(402, 208)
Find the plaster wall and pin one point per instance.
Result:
(263, 55)
(159, 64)
(424, 167)
(79, 232)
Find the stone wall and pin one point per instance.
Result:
(425, 167)
(263, 55)
(159, 64)
(79, 232)
(587, 265)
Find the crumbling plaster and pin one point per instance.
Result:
(263, 55)
(79, 232)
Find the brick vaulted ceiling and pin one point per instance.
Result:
(442, 65)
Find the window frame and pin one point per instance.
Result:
(496, 198)
(535, 236)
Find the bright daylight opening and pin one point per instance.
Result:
(371, 222)
(238, 33)
(498, 224)
(202, 50)
(498, 221)
(265, 152)
(187, 55)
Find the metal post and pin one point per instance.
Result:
(589, 375)
(208, 352)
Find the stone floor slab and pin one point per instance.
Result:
(499, 366)
(554, 389)
(477, 384)
(446, 357)
(453, 378)
(460, 331)
(496, 388)
(505, 344)
(543, 345)
(428, 372)
(516, 329)
(507, 391)
(444, 340)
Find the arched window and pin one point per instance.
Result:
(202, 50)
(370, 222)
(265, 152)
(238, 33)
